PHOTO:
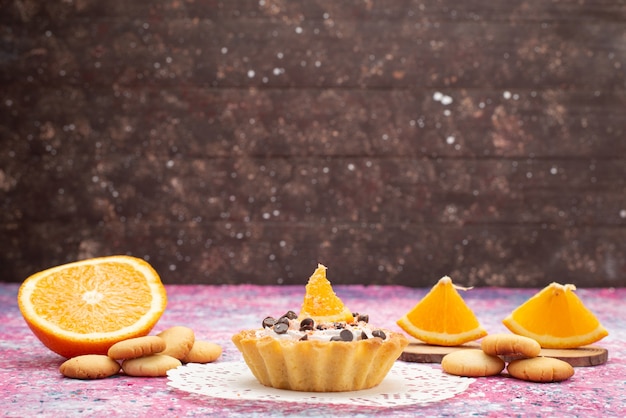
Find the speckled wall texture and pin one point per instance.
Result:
(244, 141)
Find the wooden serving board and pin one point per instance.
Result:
(578, 357)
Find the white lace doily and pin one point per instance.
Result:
(406, 384)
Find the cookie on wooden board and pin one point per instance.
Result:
(472, 363)
(540, 369)
(510, 345)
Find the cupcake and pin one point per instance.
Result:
(324, 348)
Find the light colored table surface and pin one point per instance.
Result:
(30, 383)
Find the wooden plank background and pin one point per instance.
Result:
(246, 141)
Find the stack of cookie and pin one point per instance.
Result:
(488, 361)
(148, 356)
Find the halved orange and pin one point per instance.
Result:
(320, 301)
(86, 306)
(556, 318)
(442, 317)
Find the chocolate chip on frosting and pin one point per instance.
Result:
(269, 322)
(290, 315)
(307, 324)
(281, 327)
(283, 320)
(346, 335)
(379, 333)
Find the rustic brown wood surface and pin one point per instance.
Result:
(586, 356)
(244, 142)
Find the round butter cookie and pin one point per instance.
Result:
(155, 365)
(136, 347)
(178, 341)
(510, 345)
(89, 366)
(203, 352)
(472, 363)
(540, 369)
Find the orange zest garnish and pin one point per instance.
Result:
(86, 306)
(441, 317)
(556, 318)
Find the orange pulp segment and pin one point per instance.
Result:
(320, 301)
(86, 306)
(556, 318)
(441, 317)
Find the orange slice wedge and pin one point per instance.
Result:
(320, 301)
(442, 317)
(86, 306)
(556, 318)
